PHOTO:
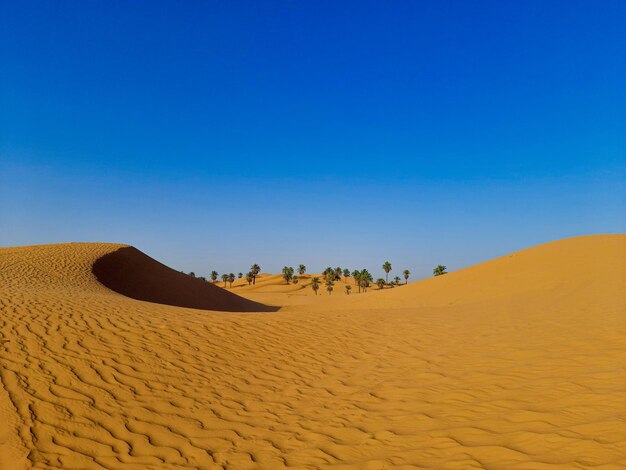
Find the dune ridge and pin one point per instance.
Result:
(134, 274)
(469, 371)
(579, 267)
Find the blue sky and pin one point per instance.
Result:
(212, 135)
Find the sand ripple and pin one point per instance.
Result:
(98, 380)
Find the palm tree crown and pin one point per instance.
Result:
(387, 268)
(439, 270)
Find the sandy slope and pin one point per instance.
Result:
(134, 274)
(515, 363)
(272, 289)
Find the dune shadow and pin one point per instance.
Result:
(134, 274)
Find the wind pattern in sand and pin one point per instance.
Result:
(518, 363)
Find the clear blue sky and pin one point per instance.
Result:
(212, 135)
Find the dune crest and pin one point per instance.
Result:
(132, 273)
(517, 363)
(584, 268)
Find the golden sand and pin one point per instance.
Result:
(517, 363)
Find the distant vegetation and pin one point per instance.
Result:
(315, 284)
(387, 268)
(362, 279)
(287, 273)
(255, 269)
(439, 270)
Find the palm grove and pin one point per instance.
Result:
(362, 279)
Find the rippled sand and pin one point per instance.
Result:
(518, 363)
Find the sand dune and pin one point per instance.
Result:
(134, 274)
(586, 269)
(517, 363)
(272, 289)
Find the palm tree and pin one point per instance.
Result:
(406, 273)
(249, 277)
(346, 274)
(380, 282)
(355, 275)
(287, 273)
(295, 279)
(338, 272)
(214, 275)
(439, 270)
(329, 285)
(255, 269)
(239, 275)
(315, 284)
(301, 269)
(387, 268)
(192, 274)
(202, 278)
(396, 280)
(231, 279)
(365, 279)
(224, 279)
(348, 289)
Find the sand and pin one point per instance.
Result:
(517, 363)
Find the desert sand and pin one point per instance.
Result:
(111, 360)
